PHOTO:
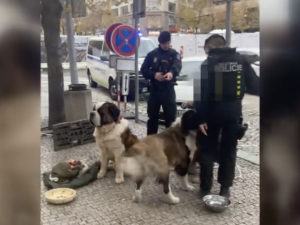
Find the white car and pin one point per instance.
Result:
(253, 56)
(185, 82)
(98, 70)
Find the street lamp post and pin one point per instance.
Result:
(71, 44)
(228, 21)
(228, 16)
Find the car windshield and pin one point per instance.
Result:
(252, 57)
(190, 69)
(146, 46)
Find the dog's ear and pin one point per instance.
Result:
(94, 107)
(188, 122)
(114, 111)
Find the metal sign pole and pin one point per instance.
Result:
(125, 66)
(119, 88)
(228, 21)
(136, 58)
(125, 102)
(71, 45)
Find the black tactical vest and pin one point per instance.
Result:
(225, 75)
(162, 62)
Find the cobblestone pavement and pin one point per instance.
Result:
(105, 203)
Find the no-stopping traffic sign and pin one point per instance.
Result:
(123, 40)
(108, 34)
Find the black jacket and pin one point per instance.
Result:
(204, 102)
(151, 64)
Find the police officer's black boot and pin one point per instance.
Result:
(225, 191)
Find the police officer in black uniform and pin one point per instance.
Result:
(243, 126)
(225, 78)
(161, 66)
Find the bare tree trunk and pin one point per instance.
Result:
(51, 14)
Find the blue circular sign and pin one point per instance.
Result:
(123, 40)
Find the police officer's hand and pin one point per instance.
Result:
(168, 76)
(159, 76)
(203, 128)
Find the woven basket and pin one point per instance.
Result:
(60, 195)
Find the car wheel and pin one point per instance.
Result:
(92, 83)
(113, 90)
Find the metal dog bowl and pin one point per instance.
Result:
(216, 203)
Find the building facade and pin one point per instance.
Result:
(163, 14)
(160, 15)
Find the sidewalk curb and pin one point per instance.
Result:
(248, 157)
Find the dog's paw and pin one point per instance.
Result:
(185, 185)
(137, 197)
(101, 174)
(119, 180)
(190, 187)
(174, 200)
(171, 199)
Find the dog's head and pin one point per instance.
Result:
(104, 113)
(189, 123)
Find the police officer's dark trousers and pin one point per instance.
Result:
(158, 97)
(223, 117)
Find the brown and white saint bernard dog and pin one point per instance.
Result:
(152, 155)
(108, 130)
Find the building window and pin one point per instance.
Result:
(124, 10)
(115, 12)
(95, 48)
(172, 7)
(153, 5)
(171, 21)
(106, 51)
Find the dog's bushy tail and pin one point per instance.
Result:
(128, 138)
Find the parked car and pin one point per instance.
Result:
(191, 71)
(99, 72)
(185, 82)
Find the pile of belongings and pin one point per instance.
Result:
(71, 174)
